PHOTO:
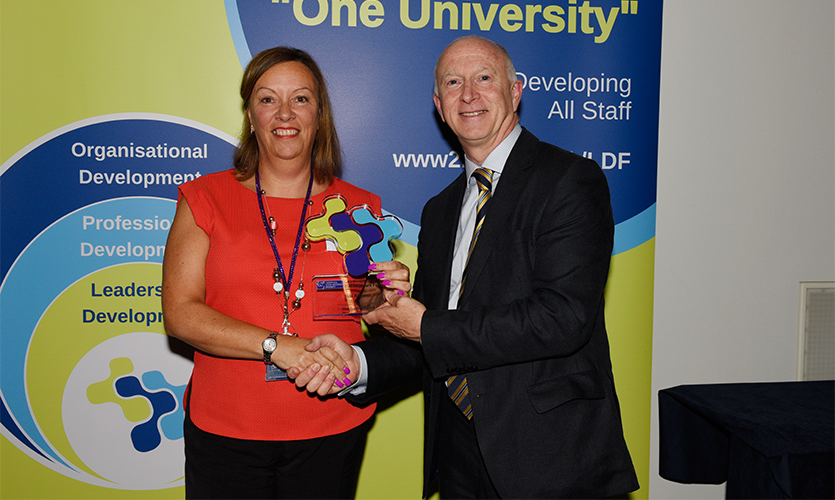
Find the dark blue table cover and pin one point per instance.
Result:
(767, 440)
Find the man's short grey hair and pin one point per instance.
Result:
(511, 71)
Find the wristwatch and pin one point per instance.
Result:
(269, 346)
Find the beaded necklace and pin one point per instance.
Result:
(282, 281)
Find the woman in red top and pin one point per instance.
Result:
(237, 277)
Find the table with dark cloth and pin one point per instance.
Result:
(767, 440)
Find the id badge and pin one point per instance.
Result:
(275, 373)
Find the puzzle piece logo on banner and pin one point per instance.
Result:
(151, 410)
(359, 234)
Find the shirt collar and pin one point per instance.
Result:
(498, 157)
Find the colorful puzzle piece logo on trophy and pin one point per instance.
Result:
(362, 237)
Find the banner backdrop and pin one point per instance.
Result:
(109, 105)
(590, 75)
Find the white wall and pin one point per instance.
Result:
(746, 192)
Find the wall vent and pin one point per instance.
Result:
(816, 331)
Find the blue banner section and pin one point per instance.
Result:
(94, 195)
(99, 159)
(590, 71)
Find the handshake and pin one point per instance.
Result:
(326, 364)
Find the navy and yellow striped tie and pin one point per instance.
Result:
(457, 384)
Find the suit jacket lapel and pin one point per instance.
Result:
(502, 203)
(443, 242)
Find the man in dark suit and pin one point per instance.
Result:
(516, 318)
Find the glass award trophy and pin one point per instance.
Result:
(362, 237)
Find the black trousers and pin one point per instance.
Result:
(222, 467)
(461, 469)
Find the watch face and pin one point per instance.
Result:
(269, 345)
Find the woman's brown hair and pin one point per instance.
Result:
(327, 157)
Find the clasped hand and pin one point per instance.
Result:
(326, 378)
(293, 356)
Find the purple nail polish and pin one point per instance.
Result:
(372, 267)
(347, 381)
(381, 275)
(346, 370)
(338, 383)
(402, 293)
(386, 282)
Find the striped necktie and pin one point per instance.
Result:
(457, 384)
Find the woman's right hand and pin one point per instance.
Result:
(326, 364)
(320, 380)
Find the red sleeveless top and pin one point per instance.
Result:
(230, 397)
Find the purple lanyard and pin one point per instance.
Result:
(285, 280)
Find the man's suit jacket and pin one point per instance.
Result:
(529, 332)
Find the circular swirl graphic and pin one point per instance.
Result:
(91, 386)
